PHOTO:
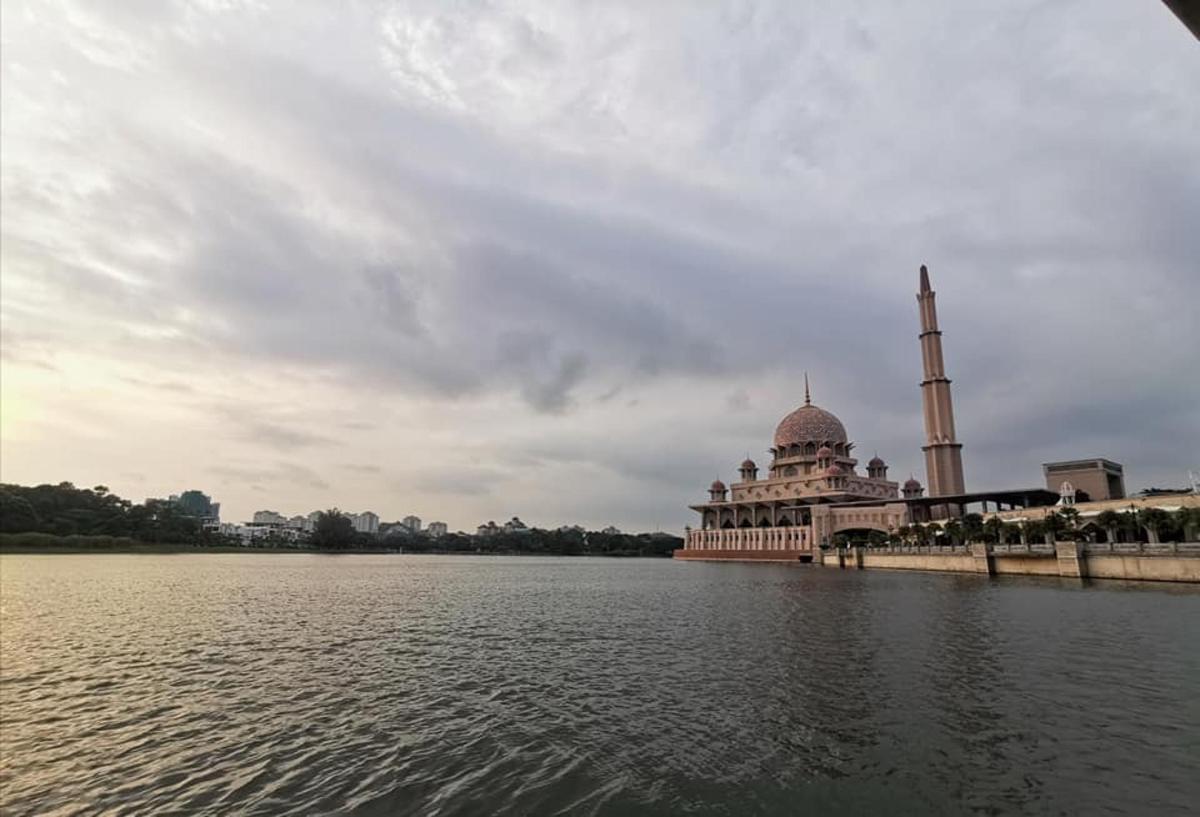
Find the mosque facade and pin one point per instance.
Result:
(813, 487)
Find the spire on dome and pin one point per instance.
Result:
(807, 399)
(924, 279)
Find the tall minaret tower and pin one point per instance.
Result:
(943, 452)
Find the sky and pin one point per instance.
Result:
(570, 261)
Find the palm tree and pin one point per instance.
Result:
(954, 531)
(1132, 522)
(1155, 520)
(1110, 521)
(1053, 524)
(1070, 517)
(1189, 521)
(1032, 529)
(994, 526)
(973, 527)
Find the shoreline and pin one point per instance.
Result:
(129, 550)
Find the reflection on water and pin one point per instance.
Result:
(267, 683)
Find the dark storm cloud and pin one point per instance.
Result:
(461, 204)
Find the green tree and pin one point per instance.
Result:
(1189, 523)
(972, 525)
(1110, 521)
(1156, 521)
(1032, 530)
(333, 530)
(1054, 524)
(994, 528)
(17, 513)
(954, 531)
(1070, 518)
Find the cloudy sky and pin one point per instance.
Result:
(570, 260)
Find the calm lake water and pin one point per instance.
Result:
(307, 684)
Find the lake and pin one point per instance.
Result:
(456, 685)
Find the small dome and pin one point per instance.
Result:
(876, 462)
(717, 485)
(824, 452)
(911, 483)
(833, 471)
(748, 463)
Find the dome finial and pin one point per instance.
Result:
(807, 399)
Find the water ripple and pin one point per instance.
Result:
(300, 684)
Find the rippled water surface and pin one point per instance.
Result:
(307, 684)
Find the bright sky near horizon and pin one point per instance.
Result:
(570, 260)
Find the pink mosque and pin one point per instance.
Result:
(813, 488)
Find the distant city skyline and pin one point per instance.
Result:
(571, 262)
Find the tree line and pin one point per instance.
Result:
(63, 510)
(1063, 524)
(64, 515)
(332, 530)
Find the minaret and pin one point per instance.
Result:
(943, 452)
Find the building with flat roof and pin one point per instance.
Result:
(1091, 480)
(365, 522)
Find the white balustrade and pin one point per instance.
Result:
(765, 539)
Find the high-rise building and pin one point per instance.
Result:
(198, 504)
(413, 523)
(437, 529)
(269, 518)
(365, 522)
(943, 451)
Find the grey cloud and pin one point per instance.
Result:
(275, 430)
(467, 480)
(573, 212)
(275, 474)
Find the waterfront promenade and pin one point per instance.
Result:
(1135, 561)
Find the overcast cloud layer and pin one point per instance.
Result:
(569, 261)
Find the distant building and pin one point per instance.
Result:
(365, 522)
(413, 523)
(269, 518)
(515, 525)
(198, 504)
(300, 523)
(1095, 479)
(437, 529)
(251, 533)
(612, 530)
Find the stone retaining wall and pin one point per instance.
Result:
(1070, 559)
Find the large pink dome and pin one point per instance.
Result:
(809, 424)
